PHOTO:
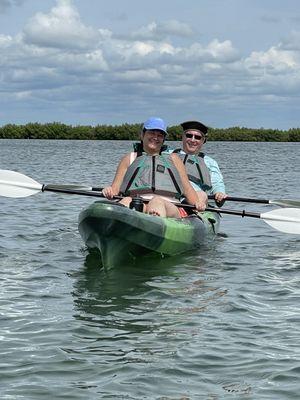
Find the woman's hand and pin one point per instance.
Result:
(108, 192)
(200, 205)
(202, 201)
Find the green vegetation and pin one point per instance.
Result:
(58, 130)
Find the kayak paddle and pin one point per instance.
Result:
(15, 184)
(285, 220)
(280, 202)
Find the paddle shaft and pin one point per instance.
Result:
(242, 213)
(242, 199)
(212, 197)
(47, 188)
(94, 193)
(278, 202)
(232, 198)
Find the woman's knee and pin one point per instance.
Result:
(126, 201)
(157, 200)
(172, 211)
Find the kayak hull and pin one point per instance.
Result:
(122, 234)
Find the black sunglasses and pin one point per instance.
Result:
(191, 135)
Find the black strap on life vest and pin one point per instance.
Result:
(200, 173)
(138, 148)
(197, 165)
(153, 175)
(174, 181)
(185, 157)
(131, 180)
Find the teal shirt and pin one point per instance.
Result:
(216, 176)
(217, 180)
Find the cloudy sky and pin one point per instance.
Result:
(224, 62)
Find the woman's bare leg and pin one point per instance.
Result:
(172, 210)
(161, 207)
(126, 201)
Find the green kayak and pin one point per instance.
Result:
(122, 234)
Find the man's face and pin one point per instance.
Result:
(192, 141)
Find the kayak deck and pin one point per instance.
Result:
(121, 233)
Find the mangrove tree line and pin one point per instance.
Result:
(57, 130)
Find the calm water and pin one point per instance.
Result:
(221, 324)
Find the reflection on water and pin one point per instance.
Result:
(145, 321)
(153, 294)
(100, 292)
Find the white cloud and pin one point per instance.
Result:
(136, 76)
(23, 95)
(5, 41)
(61, 28)
(140, 52)
(274, 58)
(162, 30)
(215, 51)
(292, 41)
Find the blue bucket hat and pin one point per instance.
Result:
(154, 123)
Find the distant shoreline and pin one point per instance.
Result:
(57, 130)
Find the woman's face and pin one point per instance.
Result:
(153, 141)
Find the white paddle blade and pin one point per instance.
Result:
(286, 203)
(14, 184)
(284, 219)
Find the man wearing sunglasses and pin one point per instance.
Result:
(203, 171)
